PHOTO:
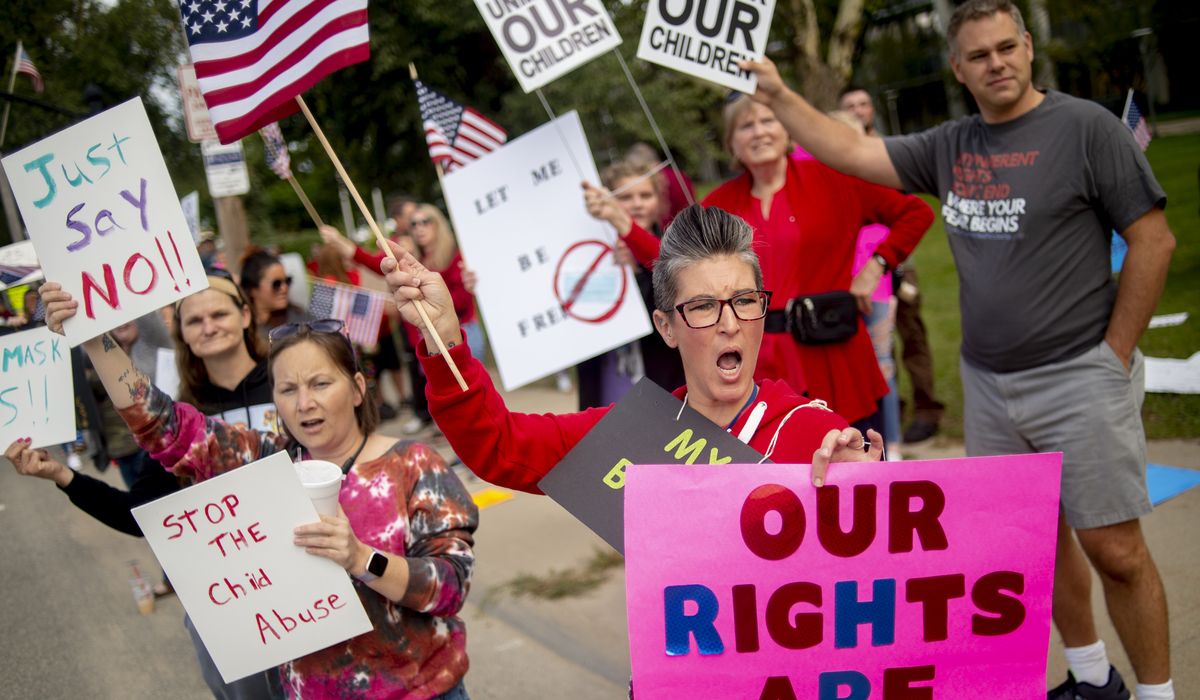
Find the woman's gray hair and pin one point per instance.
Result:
(698, 234)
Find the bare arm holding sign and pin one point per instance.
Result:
(830, 141)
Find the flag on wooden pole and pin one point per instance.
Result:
(360, 309)
(25, 65)
(456, 134)
(253, 57)
(276, 151)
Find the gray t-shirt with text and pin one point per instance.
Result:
(1029, 207)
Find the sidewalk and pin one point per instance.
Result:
(71, 628)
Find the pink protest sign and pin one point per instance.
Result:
(918, 580)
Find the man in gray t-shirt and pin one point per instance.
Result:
(1031, 189)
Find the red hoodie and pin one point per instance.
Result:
(516, 450)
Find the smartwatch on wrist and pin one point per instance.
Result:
(882, 261)
(376, 565)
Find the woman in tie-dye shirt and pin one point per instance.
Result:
(403, 512)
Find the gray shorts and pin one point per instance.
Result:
(1086, 407)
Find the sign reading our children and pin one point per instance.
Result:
(707, 38)
(37, 399)
(922, 580)
(546, 39)
(256, 599)
(105, 220)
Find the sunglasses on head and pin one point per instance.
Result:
(324, 325)
(276, 285)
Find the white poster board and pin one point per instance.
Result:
(549, 289)
(256, 599)
(707, 39)
(225, 169)
(37, 399)
(547, 39)
(195, 111)
(190, 204)
(105, 220)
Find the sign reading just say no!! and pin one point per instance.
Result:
(37, 400)
(256, 599)
(105, 220)
(921, 581)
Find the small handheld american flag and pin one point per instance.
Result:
(454, 133)
(360, 309)
(1136, 122)
(25, 65)
(276, 151)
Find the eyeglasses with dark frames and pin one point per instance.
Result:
(421, 222)
(324, 325)
(278, 284)
(706, 312)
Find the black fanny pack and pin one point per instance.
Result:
(817, 319)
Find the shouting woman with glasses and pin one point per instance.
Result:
(710, 305)
(266, 285)
(404, 526)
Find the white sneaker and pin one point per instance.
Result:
(412, 425)
(74, 462)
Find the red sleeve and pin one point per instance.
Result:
(907, 217)
(464, 301)
(644, 245)
(371, 261)
(514, 450)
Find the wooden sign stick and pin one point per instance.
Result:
(379, 237)
(304, 200)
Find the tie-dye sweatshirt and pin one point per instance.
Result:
(406, 503)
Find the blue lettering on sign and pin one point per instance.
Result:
(41, 164)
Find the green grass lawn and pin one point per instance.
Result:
(1175, 160)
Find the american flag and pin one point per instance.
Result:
(276, 151)
(360, 309)
(1137, 124)
(25, 65)
(253, 57)
(455, 134)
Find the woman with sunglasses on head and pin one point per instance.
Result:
(709, 304)
(404, 526)
(266, 285)
(437, 250)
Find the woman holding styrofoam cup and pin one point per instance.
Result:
(395, 516)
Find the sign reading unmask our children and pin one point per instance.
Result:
(550, 291)
(105, 220)
(545, 39)
(928, 581)
(256, 599)
(707, 38)
(37, 399)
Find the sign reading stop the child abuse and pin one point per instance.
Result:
(921, 581)
(256, 599)
(707, 38)
(105, 220)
